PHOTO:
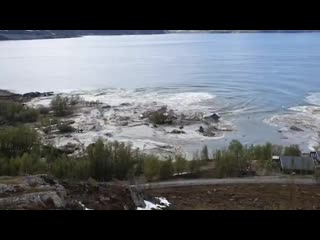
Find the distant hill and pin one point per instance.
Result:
(239, 31)
(45, 34)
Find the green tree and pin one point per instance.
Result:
(14, 141)
(180, 164)
(61, 106)
(166, 169)
(195, 166)
(292, 150)
(205, 153)
(151, 167)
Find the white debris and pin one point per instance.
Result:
(82, 205)
(183, 173)
(164, 201)
(151, 206)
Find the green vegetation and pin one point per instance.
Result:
(166, 169)
(12, 113)
(180, 164)
(64, 128)
(205, 153)
(292, 150)
(151, 168)
(64, 106)
(237, 158)
(15, 141)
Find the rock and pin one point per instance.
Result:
(31, 95)
(124, 123)
(108, 134)
(175, 131)
(209, 133)
(69, 148)
(124, 118)
(6, 189)
(48, 179)
(106, 106)
(63, 128)
(125, 104)
(201, 130)
(294, 128)
(34, 181)
(181, 127)
(33, 201)
(214, 117)
(68, 122)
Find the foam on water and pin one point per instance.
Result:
(314, 98)
(181, 101)
(306, 117)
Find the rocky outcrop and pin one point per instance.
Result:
(214, 117)
(31, 193)
(175, 131)
(43, 192)
(295, 128)
(7, 95)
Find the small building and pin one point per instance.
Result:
(316, 156)
(299, 164)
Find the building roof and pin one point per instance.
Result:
(297, 163)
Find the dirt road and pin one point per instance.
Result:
(227, 181)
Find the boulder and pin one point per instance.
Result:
(295, 128)
(69, 148)
(106, 106)
(201, 129)
(124, 118)
(214, 117)
(31, 193)
(175, 131)
(125, 104)
(68, 122)
(123, 124)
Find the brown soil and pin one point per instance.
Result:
(99, 196)
(242, 197)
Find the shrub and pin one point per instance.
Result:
(44, 110)
(205, 153)
(61, 106)
(194, 167)
(151, 167)
(166, 170)
(15, 141)
(180, 164)
(292, 150)
(12, 113)
(63, 128)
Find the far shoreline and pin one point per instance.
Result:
(7, 37)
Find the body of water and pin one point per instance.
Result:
(261, 82)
